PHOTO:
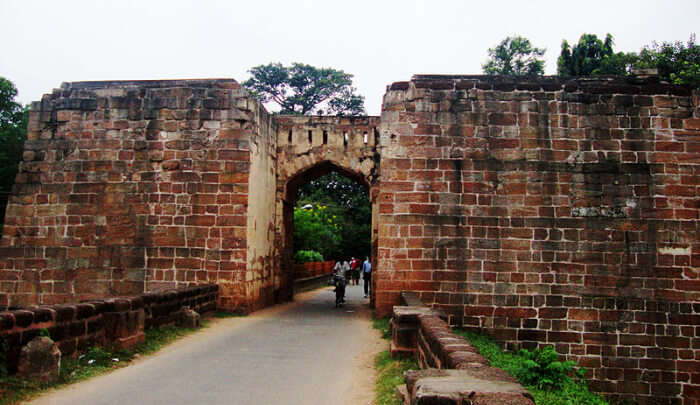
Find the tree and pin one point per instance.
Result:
(591, 56)
(515, 56)
(304, 89)
(316, 229)
(13, 132)
(347, 204)
(676, 62)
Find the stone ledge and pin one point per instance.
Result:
(458, 387)
(115, 322)
(453, 371)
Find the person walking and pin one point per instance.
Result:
(337, 271)
(355, 269)
(346, 270)
(367, 275)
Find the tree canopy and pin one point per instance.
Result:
(305, 89)
(676, 62)
(592, 56)
(13, 132)
(515, 56)
(340, 212)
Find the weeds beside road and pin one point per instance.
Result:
(389, 370)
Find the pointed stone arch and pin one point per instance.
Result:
(286, 197)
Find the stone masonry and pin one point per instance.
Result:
(548, 211)
(551, 212)
(129, 187)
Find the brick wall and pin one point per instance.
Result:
(117, 322)
(551, 212)
(128, 187)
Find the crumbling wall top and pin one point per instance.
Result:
(594, 84)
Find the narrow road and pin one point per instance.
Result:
(305, 352)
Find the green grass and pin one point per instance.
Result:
(226, 314)
(382, 324)
(93, 362)
(389, 370)
(569, 391)
(389, 376)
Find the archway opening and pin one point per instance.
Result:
(327, 218)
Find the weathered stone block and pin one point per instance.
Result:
(189, 318)
(487, 387)
(40, 360)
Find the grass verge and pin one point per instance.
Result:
(95, 361)
(568, 390)
(389, 370)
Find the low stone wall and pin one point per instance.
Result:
(452, 371)
(313, 269)
(117, 323)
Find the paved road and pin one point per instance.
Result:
(306, 352)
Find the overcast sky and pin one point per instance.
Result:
(45, 43)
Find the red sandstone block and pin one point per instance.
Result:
(691, 123)
(674, 342)
(226, 154)
(502, 119)
(661, 364)
(233, 178)
(231, 220)
(200, 220)
(430, 209)
(515, 312)
(515, 244)
(553, 313)
(571, 337)
(583, 314)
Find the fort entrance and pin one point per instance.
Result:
(548, 211)
(311, 148)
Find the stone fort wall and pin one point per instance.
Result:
(551, 212)
(129, 187)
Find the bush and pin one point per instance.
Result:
(306, 256)
(542, 368)
(550, 381)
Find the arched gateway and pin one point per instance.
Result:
(138, 186)
(543, 211)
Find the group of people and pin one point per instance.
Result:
(352, 270)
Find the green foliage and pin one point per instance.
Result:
(550, 381)
(44, 332)
(307, 256)
(305, 89)
(389, 376)
(542, 368)
(347, 203)
(382, 325)
(515, 56)
(591, 56)
(226, 314)
(316, 228)
(676, 62)
(13, 132)
(389, 370)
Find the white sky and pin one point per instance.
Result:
(48, 42)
